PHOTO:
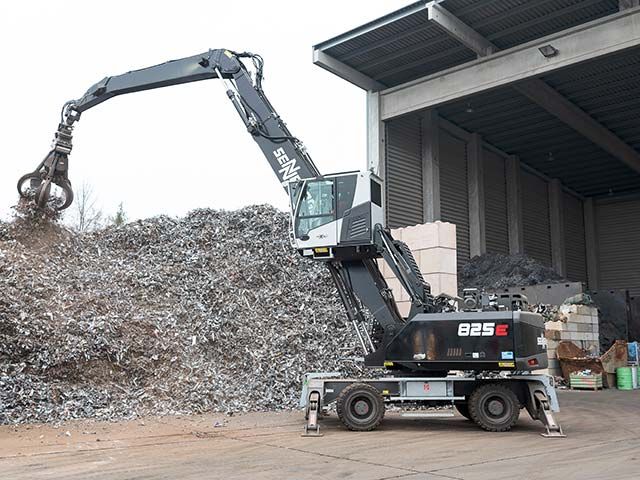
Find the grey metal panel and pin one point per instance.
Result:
(403, 170)
(495, 201)
(618, 230)
(536, 225)
(574, 238)
(454, 196)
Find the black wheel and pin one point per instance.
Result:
(494, 407)
(360, 407)
(463, 409)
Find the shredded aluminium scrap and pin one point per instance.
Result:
(210, 312)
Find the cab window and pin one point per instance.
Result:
(317, 206)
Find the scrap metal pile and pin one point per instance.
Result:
(493, 271)
(211, 312)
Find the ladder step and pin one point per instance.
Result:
(427, 415)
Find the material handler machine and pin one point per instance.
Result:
(476, 353)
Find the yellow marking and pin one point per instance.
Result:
(506, 364)
(321, 250)
(388, 363)
(385, 392)
(228, 53)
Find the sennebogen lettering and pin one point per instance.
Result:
(289, 166)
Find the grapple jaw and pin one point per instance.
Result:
(37, 186)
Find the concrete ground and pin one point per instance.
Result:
(603, 442)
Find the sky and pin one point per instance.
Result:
(170, 150)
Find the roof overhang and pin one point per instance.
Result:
(575, 105)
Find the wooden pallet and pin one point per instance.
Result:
(586, 382)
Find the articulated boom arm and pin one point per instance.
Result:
(285, 153)
(354, 267)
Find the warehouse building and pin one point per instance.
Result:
(516, 120)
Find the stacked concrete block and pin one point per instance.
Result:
(577, 324)
(434, 248)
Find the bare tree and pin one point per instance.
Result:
(86, 215)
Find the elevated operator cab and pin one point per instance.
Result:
(334, 216)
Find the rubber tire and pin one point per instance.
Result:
(348, 397)
(463, 409)
(478, 407)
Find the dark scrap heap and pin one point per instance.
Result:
(210, 312)
(493, 271)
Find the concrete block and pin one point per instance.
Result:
(397, 233)
(433, 279)
(437, 260)
(382, 265)
(398, 292)
(552, 344)
(584, 327)
(572, 327)
(568, 309)
(586, 310)
(447, 234)
(552, 353)
(404, 308)
(552, 335)
(420, 237)
(585, 319)
(554, 363)
(557, 325)
(579, 336)
(448, 284)
(555, 372)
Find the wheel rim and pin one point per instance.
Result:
(361, 408)
(496, 408)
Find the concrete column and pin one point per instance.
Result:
(375, 135)
(591, 243)
(430, 166)
(625, 4)
(514, 205)
(475, 178)
(556, 219)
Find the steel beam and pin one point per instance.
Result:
(542, 94)
(554, 103)
(576, 45)
(475, 180)
(375, 135)
(514, 205)
(557, 224)
(591, 238)
(345, 71)
(430, 166)
(460, 31)
(626, 4)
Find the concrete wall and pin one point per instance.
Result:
(434, 248)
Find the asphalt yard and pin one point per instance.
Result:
(603, 442)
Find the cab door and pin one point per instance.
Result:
(315, 222)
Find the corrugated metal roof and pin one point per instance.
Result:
(405, 45)
(607, 88)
